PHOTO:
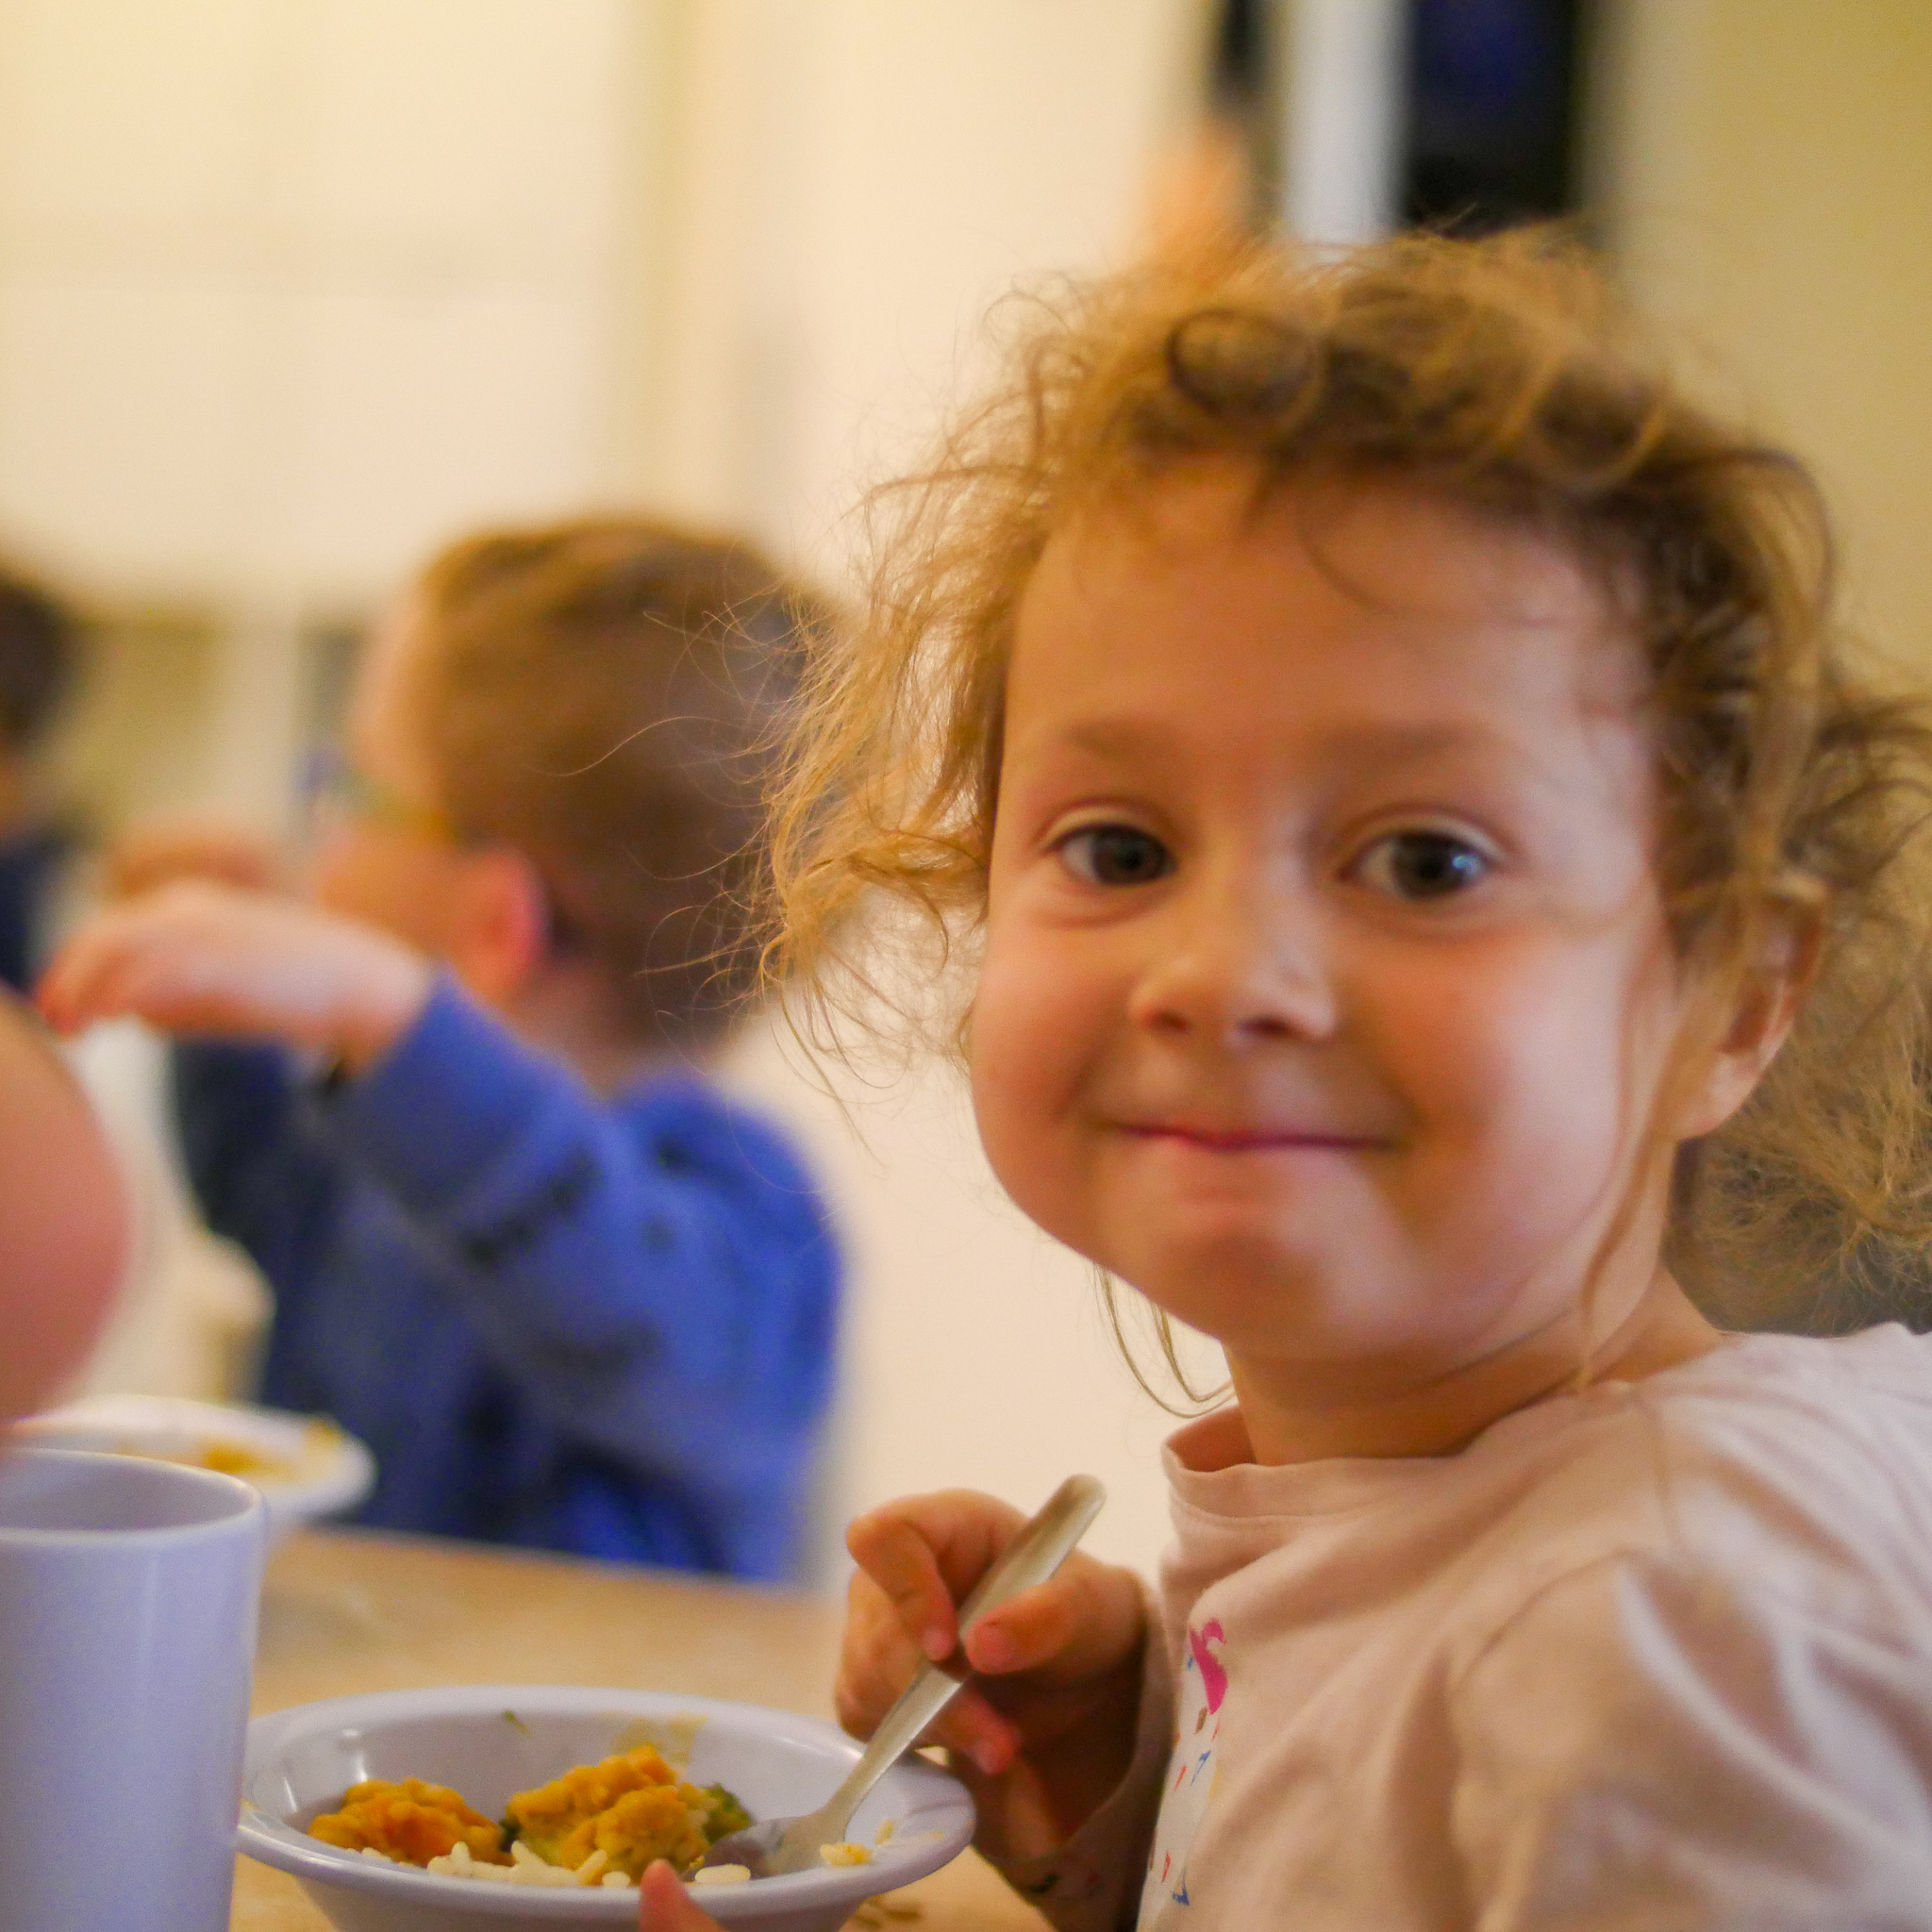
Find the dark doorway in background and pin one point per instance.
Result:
(1491, 111)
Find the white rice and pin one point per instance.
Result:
(847, 1854)
(527, 1868)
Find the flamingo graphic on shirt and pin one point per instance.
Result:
(1200, 1696)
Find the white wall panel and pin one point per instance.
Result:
(479, 136)
(290, 287)
(420, 414)
(116, 113)
(131, 421)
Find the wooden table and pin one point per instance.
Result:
(348, 1610)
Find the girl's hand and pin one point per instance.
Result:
(194, 957)
(1048, 1732)
(665, 1906)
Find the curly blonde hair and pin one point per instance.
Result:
(1501, 374)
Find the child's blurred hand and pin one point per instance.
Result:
(157, 854)
(665, 1906)
(194, 957)
(1048, 1731)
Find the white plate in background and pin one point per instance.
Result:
(305, 1467)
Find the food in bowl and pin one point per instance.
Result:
(411, 1821)
(601, 1822)
(488, 1742)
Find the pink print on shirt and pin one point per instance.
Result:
(1201, 1693)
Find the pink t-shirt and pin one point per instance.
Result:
(1657, 1654)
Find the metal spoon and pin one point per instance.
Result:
(775, 1846)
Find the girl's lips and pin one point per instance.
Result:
(1248, 1139)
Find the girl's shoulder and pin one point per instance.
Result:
(1777, 1467)
(1807, 1407)
(1779, 1462)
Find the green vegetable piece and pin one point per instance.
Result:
(723, 1814)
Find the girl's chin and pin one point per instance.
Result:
(1229, 1282)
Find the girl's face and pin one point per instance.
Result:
(1327, 984)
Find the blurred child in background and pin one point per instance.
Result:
(570, 1295)
(39, 649)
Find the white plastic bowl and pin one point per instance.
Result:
(310, 1468)
(490, 1741)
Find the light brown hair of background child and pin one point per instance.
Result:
(1504, 375)
(607, 695)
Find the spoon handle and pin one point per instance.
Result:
(1033, 1555)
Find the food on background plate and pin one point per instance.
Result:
(598, 1823)
(224, 1458)
(304, 1466)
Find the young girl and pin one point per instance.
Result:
(1438, 894)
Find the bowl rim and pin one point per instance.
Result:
(260, 1835)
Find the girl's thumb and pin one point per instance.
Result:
(665, 1906)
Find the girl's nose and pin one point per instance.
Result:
(1236, 960)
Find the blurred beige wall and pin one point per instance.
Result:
(1766, 173)
(852, 183)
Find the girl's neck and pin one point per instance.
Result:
(1289, 1417)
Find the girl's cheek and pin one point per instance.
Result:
(1020, 1046)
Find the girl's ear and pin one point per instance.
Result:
(1763, 1012)
(499, 936)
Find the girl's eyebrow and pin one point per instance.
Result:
(1427, 737)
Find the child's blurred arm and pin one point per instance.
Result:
(198, 958)
(167, 851)
(655, 1273)
(204, 959)
(1062, 1737)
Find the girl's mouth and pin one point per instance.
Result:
(1249, 1140)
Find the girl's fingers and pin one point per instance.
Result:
(970, 1726)
(665, 1906)
(926, 1553)
(920, 1555)
(895, 1559)
(1077, 1624)
(870, 1679)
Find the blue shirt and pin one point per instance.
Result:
(598, 1326)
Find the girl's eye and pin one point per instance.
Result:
(1115, 855)
(1422, 865)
